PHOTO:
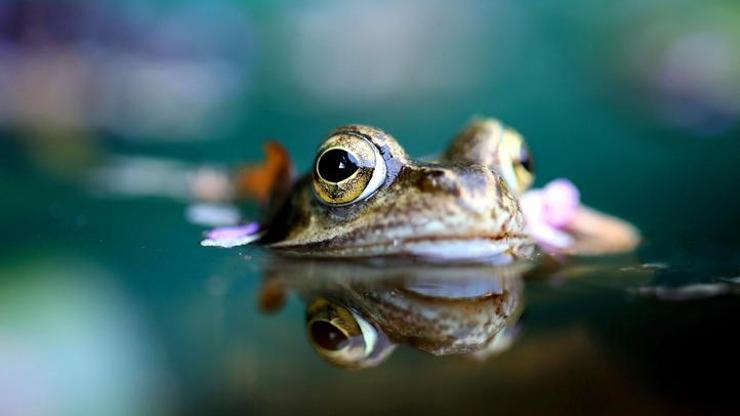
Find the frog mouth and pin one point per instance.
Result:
(499, 249)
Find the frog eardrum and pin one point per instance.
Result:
(348, 169)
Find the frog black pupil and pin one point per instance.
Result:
(336, 165)
(525, 159)
(328, 336)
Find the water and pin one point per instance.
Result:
(114, 295)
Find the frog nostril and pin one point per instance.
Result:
(438, 181)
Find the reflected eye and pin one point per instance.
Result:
(343, 337)
(348, 169)
(328, 336)
(517, 165)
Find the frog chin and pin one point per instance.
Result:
(495, 252)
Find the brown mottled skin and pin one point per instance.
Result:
(460, 198)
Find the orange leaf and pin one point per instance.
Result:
(262, 182)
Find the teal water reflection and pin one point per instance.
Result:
(229, 333)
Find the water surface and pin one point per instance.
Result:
(114, 295)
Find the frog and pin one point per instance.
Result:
(365, 197)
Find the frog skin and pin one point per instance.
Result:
(357, 314)
(365, 198)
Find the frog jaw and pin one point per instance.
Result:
(431, 242)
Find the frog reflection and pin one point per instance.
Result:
(357, 314)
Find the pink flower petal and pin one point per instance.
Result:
(232, 236)
(561, 202)
(548, 212)
(533, 207)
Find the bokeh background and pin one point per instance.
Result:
(107, 303)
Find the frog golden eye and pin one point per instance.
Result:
(348, 169)
(516, 163)
(343, 337)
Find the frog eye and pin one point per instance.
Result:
(343, 337)
(516, 163)
(348, 169)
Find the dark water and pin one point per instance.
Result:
(113, 295)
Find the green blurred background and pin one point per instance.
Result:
(636, 102)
